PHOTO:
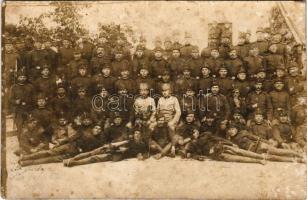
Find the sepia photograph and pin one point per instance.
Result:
(153, 100)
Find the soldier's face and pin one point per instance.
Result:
(236, 93)
(82, 71)
(259, 119)
(215, 53)
(209, 121)
(38, 45)
(279, 85)
(280, 73)
(139, 53)
(32, 124)
(158, 43)
(9, 47)
(144, 92)
(167, 45)
(242, 76)
(102, 40)
(283, 119)
(187, 40)
(106, 71)
(77, 56)
(118, 56)
(45, 72)
(158, 54)
(100, 52)
(215, 89)
(87, 122)
(137, 136)
(20, 45)
(255, 52)
(260, 36)
(81, 93)
(41, 102)
(117, 121)
(195, 54)
(165, 77)
(62, 121)
(66, 43)
(124, 73)
(236, 116)
(261, 75)
(190, 118)
(144, 72)
(166, 92)
(96, 130)
(273, 48)
(160, 121)
(122, 91)
(103, 93)
(61, 92)
(241, 41)
(205, 71)
(258, 86)
(186, 73)
(233, 54)
(21, 79)
(223, 73)
(47, 44)
(293, 71)
(190, 93)
(232, 131)
(176, 53)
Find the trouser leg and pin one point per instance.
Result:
(243, 152)
(52, 159)
(91, 159)
(235, 158)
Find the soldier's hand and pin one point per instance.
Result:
(255, 105)
(129, 125)
(17, 101)
(23, 103)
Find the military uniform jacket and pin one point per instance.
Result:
(205, 84)
(161, 135)
(176, 66)
(116, 133)
(280, 99)
(60, 104)
(242, 51)
(45, 117)
(169, 107)
(226, 85)
(97, 63)
(195, 65)
(119, 65)
(106, 81)
(253, 64)
(186, 130)
(30, 139)
(65, 55)
(46, 86)
(158, 67)
(24, 93)
(263, 101)
(233, 66)
(283, 132)
(263, 47)
(140, 62)
(86, 141)
(216, 104)
(272, 61)
(262, 130)
(146, 80)
(243, 86)
(73, 67)
(185, 82)
(214, 64)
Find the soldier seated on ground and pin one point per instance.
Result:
(161, 137)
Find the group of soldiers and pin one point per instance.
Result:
(86, 103)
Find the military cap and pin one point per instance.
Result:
(31, 118)
(259, 29)
(167, 39)
(21, 72)
(46, 65)
(281, 67)
(166, 86)
(142, 38)
(237, 111)
(124, 67)
(293, 65)
(86, 115)
(158, 49)
(100, 87)
(165, 72)
(77, 51)
(115, 115)
(241, 70)
(232, 125)
(283, 113)
(278, 80)
(195, 49)
(259, 80)
(261, 69)
(106, 66)
(210, 115)
(258, 112)
(118, 50)
(140, 48)
(223, 66)
(143, 86)
(176, 47)
(61, 85)
(81, 87)
(186, 68)
(190, 112)
(82, 65)
(242, 35)
(215, 83)
(205, 65)
(41, 96)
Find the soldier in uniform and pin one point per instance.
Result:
(261, 75)
(99, 60)
(242, 83)
(119, 63)
(167, 48)
(168, 106)
(165, 79)
(100, 111)
(253, 62)
(60, 102)
(73, 65)
(82, 103)
(242, 49)
(32, 137)
(205, 80)
(261, 43)
(195, 62)
(144, 77)
(83, 78)
(125, 80)
(237, 102)
(224, 81)
(105, 78)
(233, 64)
(158, 65)
(66, 52)
(45, 83)
(273, 60)
(21, 99)
(215, 61)
(175, 62)
(212, 43)
(36, 57)
(188, 101)
(259, 100)
(52, 56)
(259, 127)
(140, 60)
(280, 47)
(185, 81)
(215, 103)
(161, 138)
(10, 63)
(280, 98)
(294, 83)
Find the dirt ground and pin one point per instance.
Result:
(165, 178)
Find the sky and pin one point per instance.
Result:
(162, 19)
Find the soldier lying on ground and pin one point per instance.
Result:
(87, 138)
(135, 147)
(263, 148)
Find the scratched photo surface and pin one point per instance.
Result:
(141, 99)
